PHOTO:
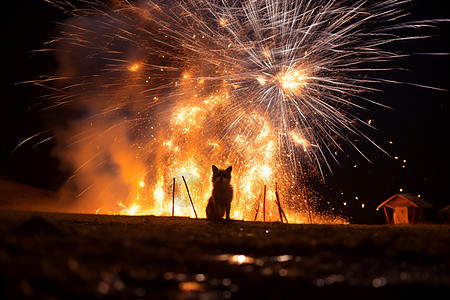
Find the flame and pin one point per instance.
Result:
(188, 145)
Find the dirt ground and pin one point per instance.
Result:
(74, 256)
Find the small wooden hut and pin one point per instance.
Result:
(445, 214)
(404, 208)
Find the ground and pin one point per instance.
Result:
(75, 256)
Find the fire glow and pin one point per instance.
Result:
(186, 147)
(164, 91)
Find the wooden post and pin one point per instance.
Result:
(386, 214)
(278, 202)
(280, 210)
(173, 198)
(257, 208)
(190, 199)
(308, 205)
(264, 204)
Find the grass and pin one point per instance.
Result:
(73, 256)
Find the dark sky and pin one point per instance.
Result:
(414, 130)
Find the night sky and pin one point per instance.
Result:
(414, 132)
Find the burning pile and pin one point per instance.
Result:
(153, 92)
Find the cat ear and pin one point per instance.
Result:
(214, 169)
(228, 170)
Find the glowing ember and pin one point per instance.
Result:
(134, 67)
(264, 86)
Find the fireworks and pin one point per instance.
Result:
(164, 90)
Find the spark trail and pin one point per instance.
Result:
(165, 90)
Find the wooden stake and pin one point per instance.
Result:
(280, 210)
(190, 199)
(173, 198)
(278, 202)
(257, 207)
(284, 216)
(264, 204)
(308, 206)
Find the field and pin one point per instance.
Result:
(74, 256)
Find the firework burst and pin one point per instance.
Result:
(166, 90)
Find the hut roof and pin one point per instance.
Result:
(405, 200)
(445, 210)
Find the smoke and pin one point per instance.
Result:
(100, 160)
(92, 132)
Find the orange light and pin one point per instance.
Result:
(134, 67)
(292, 80)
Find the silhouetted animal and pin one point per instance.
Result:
(222, 194)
